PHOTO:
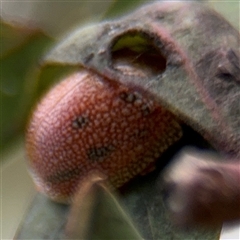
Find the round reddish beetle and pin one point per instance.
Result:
(88, 123)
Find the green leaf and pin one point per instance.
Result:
(96, 214)
(44, 220)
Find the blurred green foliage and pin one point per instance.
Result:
(120, 7)
(21, 52)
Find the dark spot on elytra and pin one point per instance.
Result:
(80, 122)
(145, 109)
(131, 97)
(128, 97)
(98, 153)
(140, 134)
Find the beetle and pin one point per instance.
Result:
(87, 124)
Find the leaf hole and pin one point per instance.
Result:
(137, 51)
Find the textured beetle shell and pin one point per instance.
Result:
(86, 124)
